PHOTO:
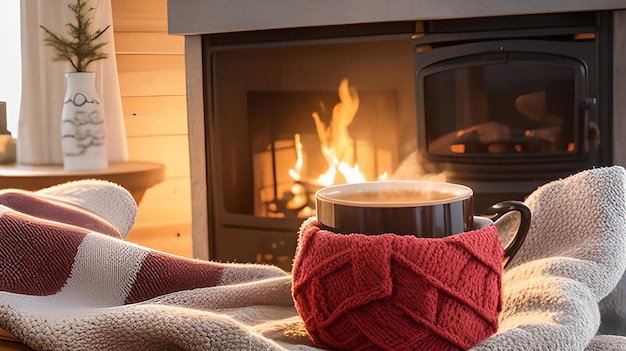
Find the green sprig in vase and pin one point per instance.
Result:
(83, 128)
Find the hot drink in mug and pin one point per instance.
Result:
(411, 207)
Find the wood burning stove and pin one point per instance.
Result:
(506, 104)
(501, 104)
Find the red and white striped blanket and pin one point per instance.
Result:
(69, 281)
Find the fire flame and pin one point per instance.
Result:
(337, 144)
(337, 147)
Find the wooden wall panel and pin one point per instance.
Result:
(148, 43)
(151, 68)
(165, 204)
(174, 238)
(139, 15)
(155, 115)
(170, 150)
(151, 75)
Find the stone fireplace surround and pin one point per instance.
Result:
(195, 17)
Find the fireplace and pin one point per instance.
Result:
(290, 115)
(502, 104)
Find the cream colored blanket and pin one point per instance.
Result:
(68, 280)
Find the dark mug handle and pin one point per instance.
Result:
(500, 209)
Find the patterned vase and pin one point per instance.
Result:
(83, 134)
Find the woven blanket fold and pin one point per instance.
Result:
(108, 200)
(573, 257)
(66, 285)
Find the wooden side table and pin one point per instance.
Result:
(134, 176)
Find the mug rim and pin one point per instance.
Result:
(457, 192)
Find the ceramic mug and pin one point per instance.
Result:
(424, 209)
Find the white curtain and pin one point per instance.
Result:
(43, 83)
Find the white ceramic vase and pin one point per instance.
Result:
(83, 131)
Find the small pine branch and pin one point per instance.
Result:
(82, 47)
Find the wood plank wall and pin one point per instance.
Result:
(151, 67)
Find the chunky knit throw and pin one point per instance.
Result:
(65, 285)
(394, 292)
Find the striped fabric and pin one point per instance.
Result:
(68, 282)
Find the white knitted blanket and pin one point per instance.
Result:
(68, 280)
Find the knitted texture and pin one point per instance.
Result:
(47, 208)
(66, 287)
(572, 258)
(391, 292)
(95, 292)
(106, 199)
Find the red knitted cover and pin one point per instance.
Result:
(391, 292)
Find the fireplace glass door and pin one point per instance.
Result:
(293, 118)
(503, 105)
